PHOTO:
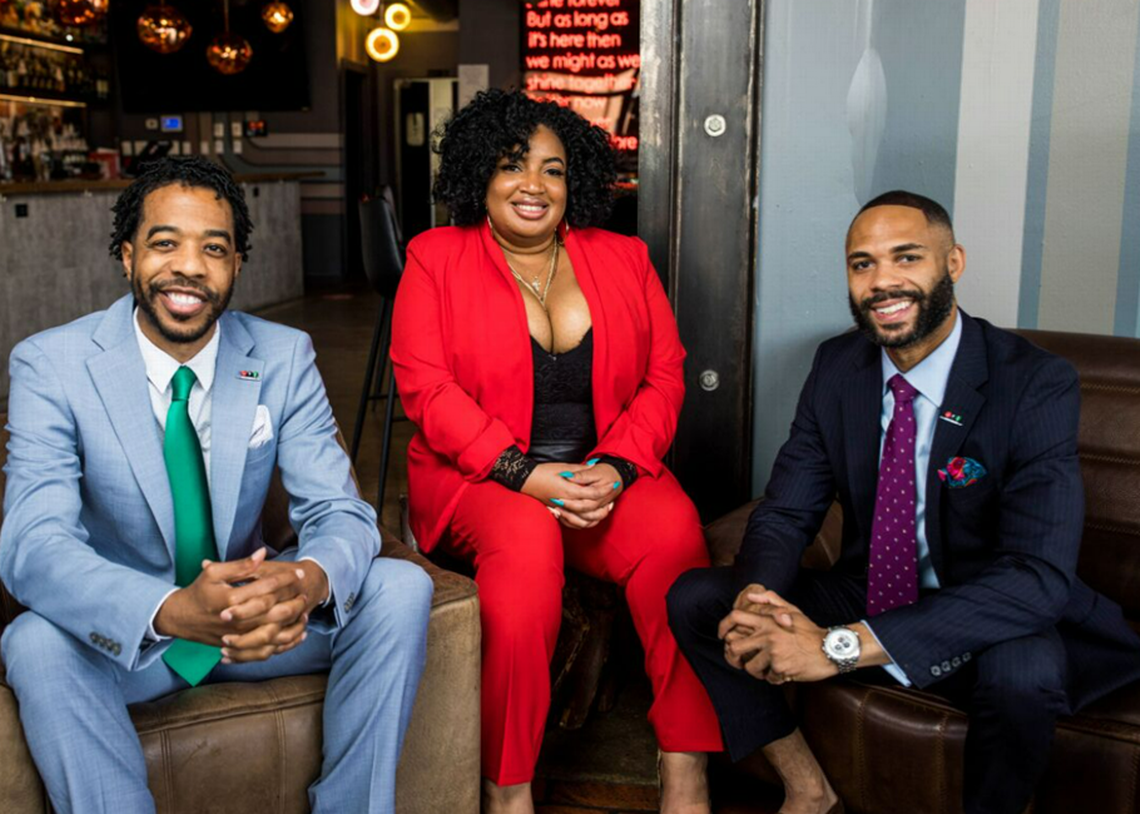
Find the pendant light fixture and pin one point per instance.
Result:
(277, 16)
(80, 12)
(229, 53)
(163, 28)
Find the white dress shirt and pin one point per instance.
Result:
(929, 377)
(160, 370)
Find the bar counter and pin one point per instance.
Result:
(54, 264)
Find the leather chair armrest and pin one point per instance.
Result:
(449, 586)
(725, 535)
(444, 732)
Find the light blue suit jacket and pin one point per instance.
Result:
(88, 534)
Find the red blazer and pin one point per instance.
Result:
(461, 351)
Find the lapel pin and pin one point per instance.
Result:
(951, 418)
(249, 375)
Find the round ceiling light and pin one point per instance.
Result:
(382, 44)
(162, 28)
(366, 7)
(398, 16)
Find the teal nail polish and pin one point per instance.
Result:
(592, 461)
(557, 502)
(617, 483)
(566, 474)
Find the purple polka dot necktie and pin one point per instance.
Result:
(892, 573)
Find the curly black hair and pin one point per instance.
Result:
(192, 171)
(499, 123)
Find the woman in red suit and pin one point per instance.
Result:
(539, 359)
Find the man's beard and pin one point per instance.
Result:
(215, 306)
(933, 310)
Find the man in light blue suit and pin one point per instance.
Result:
(143, 441)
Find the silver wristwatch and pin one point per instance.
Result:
(841, 646)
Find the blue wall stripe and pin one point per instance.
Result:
(1128, 280)
(1037, 180)
(919, 148)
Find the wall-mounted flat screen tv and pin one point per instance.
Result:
(276, 77)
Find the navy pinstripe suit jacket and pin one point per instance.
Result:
(1004, 548)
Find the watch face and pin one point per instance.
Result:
(841, 644)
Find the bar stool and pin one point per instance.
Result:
(383, 257)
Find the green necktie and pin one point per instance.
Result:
(193, 522)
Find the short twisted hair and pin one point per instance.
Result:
(193, 171)
(500, 123)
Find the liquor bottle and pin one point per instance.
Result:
(7, 68)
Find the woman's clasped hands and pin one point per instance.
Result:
(579, 495)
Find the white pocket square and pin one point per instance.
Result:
(262, 428)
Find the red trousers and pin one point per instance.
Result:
(652, 536)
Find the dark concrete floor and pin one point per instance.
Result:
(609, 765)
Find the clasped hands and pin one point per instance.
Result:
(252, 608)
(771, 639)
(579, 495)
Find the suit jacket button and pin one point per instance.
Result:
(945, 666)
(94, 638)
(957, 662)
(117, 648)
(966, 657)
(936, 671)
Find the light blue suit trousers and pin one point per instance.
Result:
(73, 701)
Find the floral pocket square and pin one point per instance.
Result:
(961, 472)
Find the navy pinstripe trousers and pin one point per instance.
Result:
(1012, 692)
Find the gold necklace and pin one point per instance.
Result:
(533, 287)
(539, 292)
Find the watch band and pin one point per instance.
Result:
(846, 665)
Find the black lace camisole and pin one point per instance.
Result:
(562, 427)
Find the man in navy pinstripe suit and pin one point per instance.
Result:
(951, 446)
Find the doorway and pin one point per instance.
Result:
(422, 106)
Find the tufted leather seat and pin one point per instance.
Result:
(253, 747)
(890, 749)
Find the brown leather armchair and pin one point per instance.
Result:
(239, 748)
(890, 749)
